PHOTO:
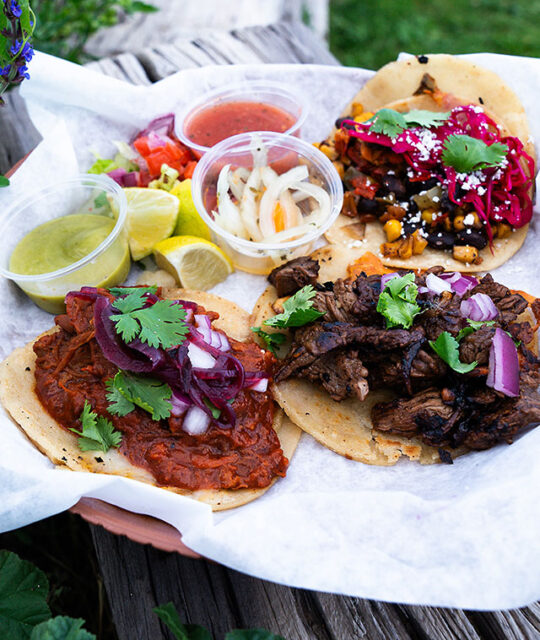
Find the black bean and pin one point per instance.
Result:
(472, 237)
(395, 185)
(441, 240)
(410, 227)
(365, 205)
(446, 204)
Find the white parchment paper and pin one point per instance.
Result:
(465, 535)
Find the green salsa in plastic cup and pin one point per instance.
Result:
(66, 236)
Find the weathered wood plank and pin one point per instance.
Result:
(516, 624)
(18, 136)
(451, 624)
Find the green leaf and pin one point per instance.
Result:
(135, 5)
(123, 291)
(297, 310)
(120, 405)
(447, 348)
(150, 394)
(466, 154)
(169, 615)
(474, 325)
(23, 596)
(214, 410)
(4, 182)
(252, 634)
(160, 325)
(272, 340)
(397, 301)
(98, 433)
(426, 119)
(61, 628)
(103, 165)
(388, 122)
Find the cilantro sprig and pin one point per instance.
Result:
(391, 123)
(397, 301)
(159, 325)
(126, 391)
(447, 348)
(272, 340)
(98, 433)
(466, 154)
(297, 310)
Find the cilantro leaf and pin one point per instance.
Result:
(397, 301)
(388, 122)
(61, 628)
(297, 310)
(98, 433)
(159, 325)
(474, 325)
(23, 596)
(272, 340)
(447, 348)
(168, 614)
(252, 634)
(466, 154)
(120, 405)
(150, 394)
(426, 119)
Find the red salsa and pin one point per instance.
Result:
(71, 368)
(217, 122)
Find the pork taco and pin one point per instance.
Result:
(438, 166)
(174, 395)
(380, 364)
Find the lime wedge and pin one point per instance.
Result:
(152, 215)
(194, 262)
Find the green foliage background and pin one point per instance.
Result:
(370, 34)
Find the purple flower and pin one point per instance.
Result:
(15, 9)
(4, 71)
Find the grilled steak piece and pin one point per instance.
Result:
(294, 275)
(509, 304)
(341, 373)
(443, 315)
(476, 346)
(351, 300)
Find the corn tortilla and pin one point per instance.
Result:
(18, 396)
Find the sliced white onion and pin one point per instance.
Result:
(261, 385)
(248, 205)
(268, 175)
(200, 358)
(437, 285)
(196, 421)
(258, 151)
(228, 215)
(316, 192)
(237, 182)
(271, 195)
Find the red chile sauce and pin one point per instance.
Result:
(217, 122)
(70, 368)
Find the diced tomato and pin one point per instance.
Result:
(364, 186)
(190, 168)
(141, 144)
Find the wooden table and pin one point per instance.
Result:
(139, 577)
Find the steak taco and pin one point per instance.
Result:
(383, 364)
(153, 386)
(438, 166)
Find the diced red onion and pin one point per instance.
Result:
(437, 285)
(460, 282)
(479, 307)
(214, 338)
(180, 404)
(163, 125)
(503, 372)
(200, 358)
(385, 279)
(196, 421)
(124, 178)
(260, 385)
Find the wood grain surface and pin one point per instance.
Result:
(139, 577)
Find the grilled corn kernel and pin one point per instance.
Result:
(399, 249)
(339, 167)
(329, 151)
(357, 109)
(362, 117)
(419, 243)
(459, 225)
(447, 224)
(503, 230)
(427, 215)
(392, 228)
(465, 253)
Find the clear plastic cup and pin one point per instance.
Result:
(263, 92)
(106, 265)
(284, 153)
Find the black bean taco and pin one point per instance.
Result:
(383, 363)
(438, 166)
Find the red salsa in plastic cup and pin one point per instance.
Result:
(242, 108)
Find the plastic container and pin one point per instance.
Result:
(267, 93)
(83, 196)
(284, 152)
